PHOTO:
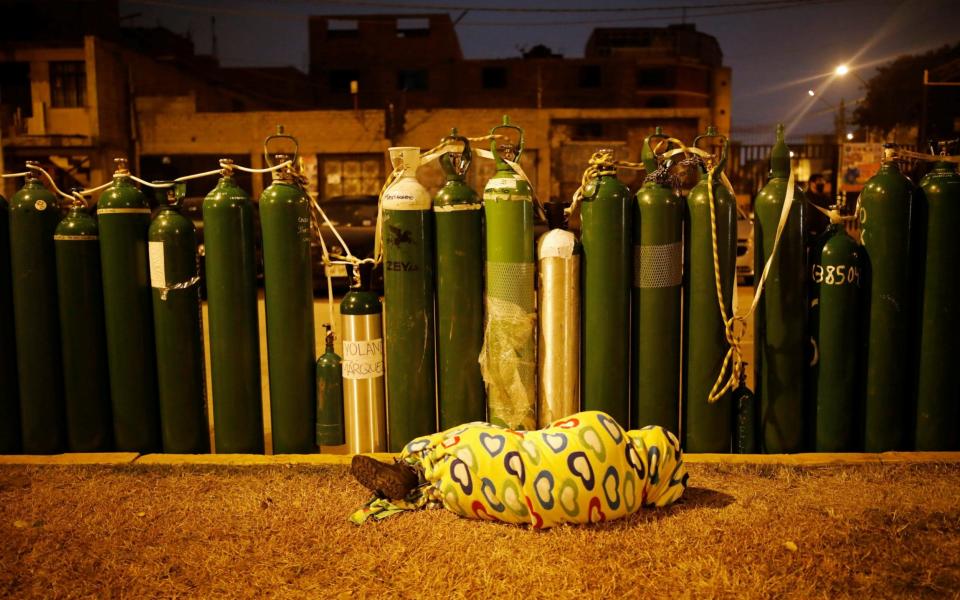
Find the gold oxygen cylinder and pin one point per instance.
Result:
(364, 399)
(558, 301)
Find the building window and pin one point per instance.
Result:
(413, 27)
(588, 130)
(659, 102)
(339, 80)
(412, 80)
(494, 78)
(68, 84)
(591, 76)
(15, 87)
(653, 78)
(350, 175)
(343, 28)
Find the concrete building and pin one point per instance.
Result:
(80, 100)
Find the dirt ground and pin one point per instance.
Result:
(281, 531)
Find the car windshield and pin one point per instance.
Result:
(357, 213)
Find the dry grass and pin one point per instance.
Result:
(139, 531)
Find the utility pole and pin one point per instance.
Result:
(922, 128)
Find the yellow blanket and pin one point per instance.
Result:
(582, 469)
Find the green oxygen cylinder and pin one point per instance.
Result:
(364, 404)
(938, 391)
(707, 425)
(780, 331)
(886, 218)
(123, 217)
(85, 373)
(408, 290)
(329, 394)
(458, 215)
(9, 392)
(33, 218)
(745, 417)
(231, 278)
(508, 359)
(606, 236)
(288, 283)
(657, 279)
(174, 275)
(836, 288)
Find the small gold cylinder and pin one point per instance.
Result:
(365, 413)
(558, 304)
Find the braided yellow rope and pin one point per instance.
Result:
(734, 354)
(602, 160)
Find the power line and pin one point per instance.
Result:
(681, 15)
(514, 9)
(675, 12)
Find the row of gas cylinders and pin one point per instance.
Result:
(850, 339)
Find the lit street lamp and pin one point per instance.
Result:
(842, 70)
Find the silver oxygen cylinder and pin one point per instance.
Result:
(364, 398)
(558, 301)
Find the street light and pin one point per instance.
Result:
(849, 136)
(843, 69)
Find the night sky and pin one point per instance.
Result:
(776, 54)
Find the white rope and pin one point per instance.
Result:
(277, 167)
(50, 179)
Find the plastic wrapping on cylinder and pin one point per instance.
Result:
(508, 357)
(558, 358)
(507, 361)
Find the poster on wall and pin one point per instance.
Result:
(858, 163)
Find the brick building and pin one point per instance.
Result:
(77, 96)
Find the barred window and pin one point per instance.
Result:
(68, 84)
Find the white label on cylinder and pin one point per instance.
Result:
(502, 182)
(158, 278)
(362, 359)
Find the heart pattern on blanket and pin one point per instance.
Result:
(511, 497)
(490, 495)
(580, 466)
(611, 488)
(460, 473)
(633, 459)
(466, 455)
(567, 423)
(416, 446)
(480, 511)
(590, 439)
(653, 459)
(543, 488)
(537, 520)
(530, 449)
(514, 465)
(596, 513)
(612, 427)
(493, 444)
(568, 497)
(555, 441)
(629, 491)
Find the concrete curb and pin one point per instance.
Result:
(794, 460)
(73, 458)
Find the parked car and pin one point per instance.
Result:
(355, 219)
(744, 248)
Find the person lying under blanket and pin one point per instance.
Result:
(581, 469)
